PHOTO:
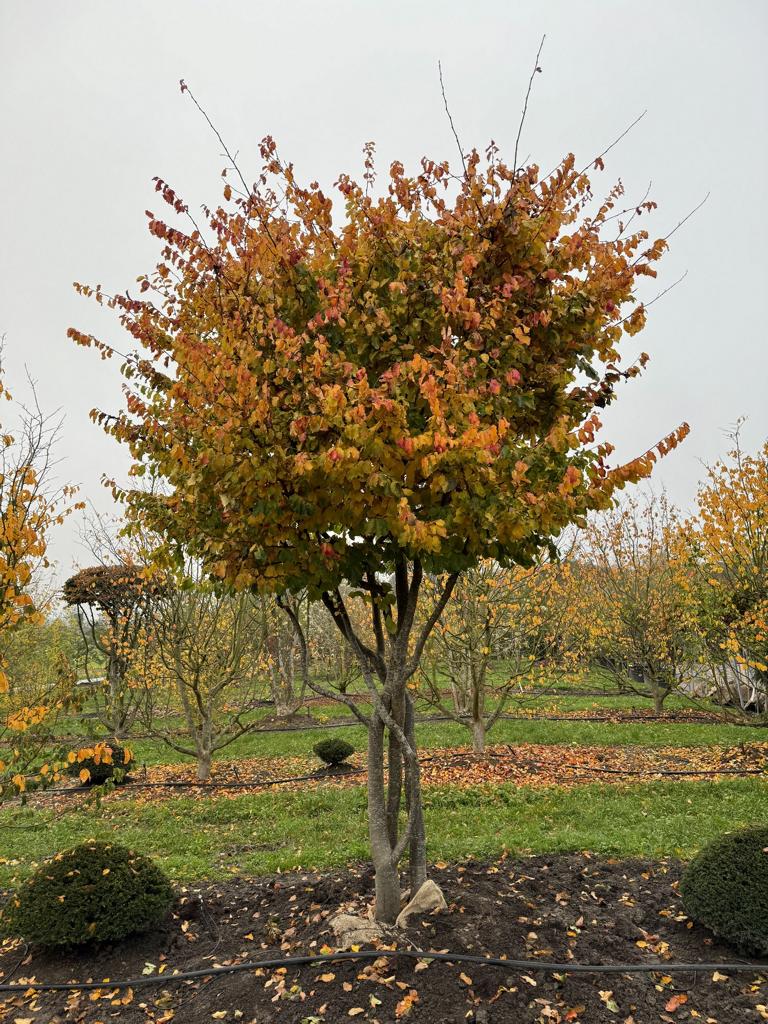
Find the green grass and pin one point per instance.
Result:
(259, 834)
(450, 734)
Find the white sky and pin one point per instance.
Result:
(90, 110)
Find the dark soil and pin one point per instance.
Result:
(565, 908)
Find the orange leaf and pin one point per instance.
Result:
(676, 1002)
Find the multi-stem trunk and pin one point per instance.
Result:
(386, 669)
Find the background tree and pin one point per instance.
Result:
(31, 504)
(203, 658)
(637, 606)
(727, 541)
(408, 388)
(335, 663)
(286, 684)
(502, 627)
(111, 602)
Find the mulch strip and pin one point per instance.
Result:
(575, 908)
(524, 764)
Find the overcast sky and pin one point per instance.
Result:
(90, 110)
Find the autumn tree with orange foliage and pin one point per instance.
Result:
(31, 505)
(406, 383)
(727, 541)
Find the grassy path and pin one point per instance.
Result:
(264, 832)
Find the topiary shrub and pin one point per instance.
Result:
(91, 893)
(725, 887)
(333, 751)
(103, 765)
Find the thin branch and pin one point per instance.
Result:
(450, 119)
(429, 625)
(527, 97)
(217, 133)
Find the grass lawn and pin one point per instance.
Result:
(263, 832)
(266, 832)
(450, 734)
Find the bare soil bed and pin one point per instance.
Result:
(571, 909)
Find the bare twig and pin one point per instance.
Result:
(527, 97)
(450, 119)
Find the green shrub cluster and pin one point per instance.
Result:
(333, 751)
(91, 893)
(725, 887)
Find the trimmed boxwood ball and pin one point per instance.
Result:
(91, 893)
(101, 771)
(725, 887)
(333, 752)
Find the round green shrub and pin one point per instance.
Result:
(100, 771)
(333, 751)
(91, 893)
(725, 887)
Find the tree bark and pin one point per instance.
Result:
(659, 695)
(417, 852)
(394, 775)
(478, 736)
(387, 881)
(203, 766)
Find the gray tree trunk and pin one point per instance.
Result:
(478, 736)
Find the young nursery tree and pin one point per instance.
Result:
(502, 627)
(31, 504)
(202, 658)
(636, 602)
(112, 602)
(406, 385)
(727, 542)
(280, 643)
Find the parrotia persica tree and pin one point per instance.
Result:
(404, 383)
(29, 508)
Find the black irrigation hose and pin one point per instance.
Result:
(698, 719)
(375, 954)
(671, 771)
(315, 777)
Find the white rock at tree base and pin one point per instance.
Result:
(351, 930)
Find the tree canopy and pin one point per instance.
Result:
(419, 377)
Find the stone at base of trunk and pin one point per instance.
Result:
(429, 897)
(354, 931)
